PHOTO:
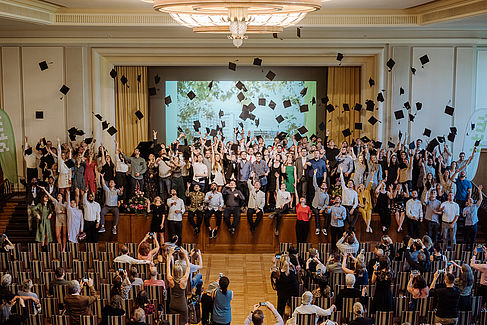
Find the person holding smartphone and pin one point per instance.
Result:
(482, 268)
(256, 316)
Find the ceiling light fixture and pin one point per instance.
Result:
(238, 17)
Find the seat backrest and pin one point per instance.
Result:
(383, 317)
(116, 320)
(305, 319)
(88, 320)
(412, 317)
(173, 319)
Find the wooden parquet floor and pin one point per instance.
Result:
(249, 279)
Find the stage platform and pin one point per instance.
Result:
(132, 228)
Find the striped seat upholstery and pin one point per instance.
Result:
(88, 320)
(73, 249)
(324, 248)
(423, 305)
(189, 246)
(412, 317)
(60, 320)
(303, 248)
(465, 317)
(22, 276)
(24, 259)
(396, 267)
(347, 308)
(383, 317)
(476, 306)
(34, 249)
(98, 305)
(155, 293)
(104, 256)
(458, 250)
(112, 250)
(56, 263)
(37, 269)
(370, 289)
(14, 268)
(337, 279)
(92, 250)
(430, 317)
(59, 292)
(46, 277)
(305, 319)
(173, 319)
(101, 268)
(116, 320)
(79, 268)
(161, 268)
(50, 306)
(284, 247)
(132, 248)
(400, 305)
(336, 317)
(295, 302)
(324, 303)
(365, 246)
(128, 306)
(40, 289)
(87, 258)
(450, 255)
(35, 319)
(402, 279)
(67, 259)
(55, 250)
(45, 258)
(483, 317)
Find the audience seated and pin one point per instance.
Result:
(256, 316)
(76, 304)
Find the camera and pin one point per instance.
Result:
(263, 303)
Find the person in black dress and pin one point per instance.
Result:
(287, 286)
(158, 210)
(382, 278)
(382, 206)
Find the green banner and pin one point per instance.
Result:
(8, 159)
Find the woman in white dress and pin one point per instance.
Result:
(64, 179)
(75, 220)
(60, 209)
(217, 169)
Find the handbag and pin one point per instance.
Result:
(194, 311)
(81, 236)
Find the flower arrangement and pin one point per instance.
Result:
(137, 204)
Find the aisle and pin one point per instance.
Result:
(249, 280)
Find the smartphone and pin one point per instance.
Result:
(151, 234)
(5, 235)
(120, 270)
(377, 264)
(278, 256)
(220, 275)
(263, 303)
(414, 272)
(177, 249)
(448, 264)
(441, 271)
(318, 272)
(479, 248)
(85, 280)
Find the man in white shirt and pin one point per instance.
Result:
(283, 202)
(348, 244)
(349, 200)
(175, 216)
(414, 212)
(31, 161)
(307, 308)
(200, 172)
(92, 212)
(214, 206)
(256, 203)
(163, 164)
(125, 258)
(451, 212)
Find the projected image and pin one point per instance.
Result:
(255, 105)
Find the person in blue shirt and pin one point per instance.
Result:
(222, 298)
(319, 164)
(464, 190)
(471, 219)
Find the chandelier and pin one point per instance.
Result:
(238, 17)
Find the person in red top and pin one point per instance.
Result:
(303, 214)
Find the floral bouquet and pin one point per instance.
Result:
(137, 204)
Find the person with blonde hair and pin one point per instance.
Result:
(177, 280)
(287, 284)
(307, 308)
(358, 315)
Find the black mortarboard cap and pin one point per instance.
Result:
(279, 119)
(252, 116)
(123, 80)
(208, 143)
(239, 85)
(28, 151)
(391, 144)
(298, 32)
(369, 105)
(302, 130)
(330, 108)
(69, 163)
(377, 144)
(257, 61)
(99, 117)
(477, 143)
(380, 97)
(43, 65)
(210, 85)
(339, 57)
(325, 100)
(286, 103)
(139, 115)
(322, 126)
(72, 130)
(399, 114)
(72, 137)
(411, 117)
(419, 106)
(371, 82)
(104, 125)
(223, 124)
(257, 122)
(139, 78)
(298, 136)
(372, 120)
(196, 126)
(449, 110)
(432, 144)
(303, 91)
(88, 140)
(207, 130)
(80, 132)
(240, 96)
(365, 139)
(64, 89)
(357, 107)
(157, 79)
(213, 133)
(167, 100)
(424, 59)
(244, 115)
(427, 132)
(346, 107)
(191, 95)
(282, 135)
(390, 64)
(407, 105)
(113, 73)
(152, 91)
(441, 139)
(270, 75)
(274, 35)
(358, 126)
(272, 104)
(313, 100)
(413, 70)
(262, 101)
(412, 145)
(401, 91)
(232, 66)
(220, 114)
(453, 130)
(304, 108)
(346, 132)
(451, 137)
(112, 130)
(472, 126)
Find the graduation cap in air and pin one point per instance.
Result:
(64, 89)
(390, 64)
(372, 120)
(282, 135)
(380, 97)
(28, 151)
(313, 100)
(223, 124)
(234, 147)
(298, 136)
(207, 130)
(449, 110)
(346, 107)
(262, 102)
(73, 130)
(412, 145)
(139, 78)
(113, 73)
(272, 105)
(210, 85)
(302, 130)
(167, 100)
(441, 139)
(274, 35)
(213, 133)
(252, 116)
(413, 70)
(191, 95)
(419, 106)
(286, 103)
(303, 108)
(270, 75)
(152, 91)
(322, 126)
(43, 65)
(298, 32)
(220, 114)
(279, 119)
(111, 130)
(139, 115)
(240, 85)
(330, 108)
(391, 144)
(365, 139)
(453, 130)
(401, 91)
(257, 122)
(377, 144)
(424, 59)
(451, 137)
(99, 117)
(240, 96)
(304, 91)
(88, 140)
(358, 126)
(371, 82)
(407, 105)
(196, 125)
(80, 132)
(399, 114)
(432, 145)
(427, 132)
(357, 107)
(69, 163)
(339, 57)
(472, 126)
(232, 66)
(411, 117)
(257, 61)
(157, 79)
(104, 125)
(369, 105)
(123, 80)
(346, 133)
(325, 100)
(244, 115)
(477, 143)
